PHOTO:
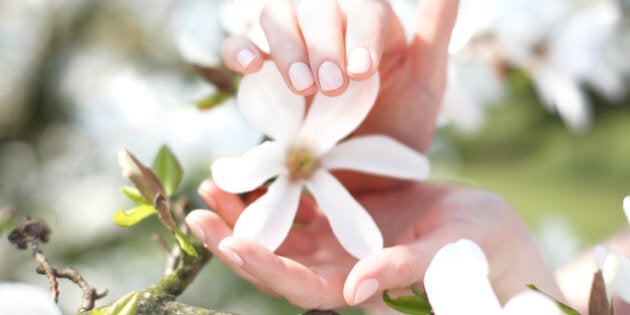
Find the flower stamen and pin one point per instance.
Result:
(301, 163)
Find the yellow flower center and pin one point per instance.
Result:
(301, 163)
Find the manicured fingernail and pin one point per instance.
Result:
(359, 61)
(365, 289)
(244, 57)
(205, 190)
(330, 76)
(300, 76)
(227, 248)
(192, 222)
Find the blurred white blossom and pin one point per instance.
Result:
(456, 282)
(26, 299)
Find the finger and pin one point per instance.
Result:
(228, 206)
(367, 24)
(241, 55)
(321, 22)
(299, 284)
(436, 19)
(211, 229)
(288, 51)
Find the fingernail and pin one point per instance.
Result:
(192, 222)
(330, 76)
(244, 57)
(205, 191)
(300, 76)
(359, 60)
(226, 247)
(365, 289)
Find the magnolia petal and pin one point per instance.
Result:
(269, 218)
(377, 155)
(530, 302)
(459, 272)
(330, 119)
(350, 222)
(622, 280)
(615, 271)
(250, 170)
(269, 105)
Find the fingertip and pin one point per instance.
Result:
(360, 63)
(241, 55)
(196, 223)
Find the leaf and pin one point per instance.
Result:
(168, 170)
(134, 195)
(145, 180)
(8, 224)
(132, 216)
(184, 243)
(126, 305)
(213, 100)
(565, 308)
(408, 304)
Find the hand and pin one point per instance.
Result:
(322, 41)
(311, 270)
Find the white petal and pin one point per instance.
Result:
(530, 302)
(269, 218)
(330, 119)
(22, 298)
(456, 281)
(622, 280)
(351, 223)
(250, 170)
(377, 155)
(626, 207)
(269, 105)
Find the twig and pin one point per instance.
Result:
(28, 235)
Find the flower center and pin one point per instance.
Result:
(301, 163)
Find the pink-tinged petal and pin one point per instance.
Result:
(456, 281)
(269, 218)
(330, 119)
(269, 105)
(377, 155)
(250, 170)
(350, 222)
(622, 280)
(530, 302)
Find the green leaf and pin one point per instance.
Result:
(7, 224)
(134, 195)
(126, 305)
(184, 243)
(132, 216)
(408, 304)
(213, 100)
(565, 308)
(168, 170)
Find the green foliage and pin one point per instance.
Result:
(184, 243)
(133, 216)
(126, 305)
(213, 100)
(416, 304)
(565, 308)
(168, 170)
(8, 224)
(134, 195)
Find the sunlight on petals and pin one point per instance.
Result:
(269, 105)
(615, 271)
(250, 170)
(330, 119)
(269, 218)
(378, 155)
(350, 222)
(530, 302)
(459, 272)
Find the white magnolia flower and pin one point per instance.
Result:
(457, 282)
(614, 266)
(300, 154)
(26, 299)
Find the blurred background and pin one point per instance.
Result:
(537, 108)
